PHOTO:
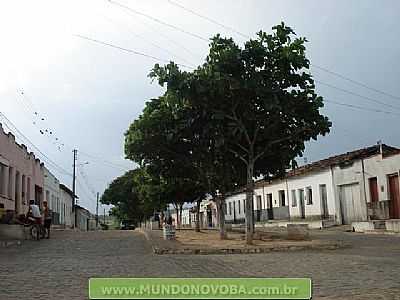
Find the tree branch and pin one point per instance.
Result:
(238, 155)
(242, 148)
(246, 134)
(278, 141)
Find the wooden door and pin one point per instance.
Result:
(394, 208)
(373, 189)
(270, 210)
(350, 202)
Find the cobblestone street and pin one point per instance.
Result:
(59, 268)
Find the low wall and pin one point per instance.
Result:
(362, 226)
(311, 224)
(12, 232)
(393, 225)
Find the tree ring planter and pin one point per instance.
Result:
(169, 232)
(298, 232)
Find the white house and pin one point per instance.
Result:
(52, 196)
(66, 202)
(367, 188)
(354, 186)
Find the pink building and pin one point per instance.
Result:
(21, 175)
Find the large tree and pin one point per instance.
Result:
(263, 97)
(158, 141)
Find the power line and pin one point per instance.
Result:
(127, 50)
(158, 20)
(146, 40)
(47, 131)
(108, 163)
(357, 95)
(355, 81)
(314, 65)
(166, 37)
(362, 107)
(50, 161)
(208, 19)
(120, 167)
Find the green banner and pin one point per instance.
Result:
(199, 288)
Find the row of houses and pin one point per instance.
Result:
(356, 186)
(23, 177)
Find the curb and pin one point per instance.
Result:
(256, 250)
(392, 233)
(260, 250)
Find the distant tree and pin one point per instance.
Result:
(262, 96)
(126, 203)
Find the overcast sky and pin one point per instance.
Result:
(88, 94)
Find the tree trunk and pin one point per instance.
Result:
(198, 216)
(221, 217)
(249, 203)
(177, 217)
(180, 213)
(161, 219)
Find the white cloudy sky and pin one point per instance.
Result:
(88, 94)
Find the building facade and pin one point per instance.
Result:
(83, 218)
(356, 186)
(21, 175)
(65, 206)
(52, 195)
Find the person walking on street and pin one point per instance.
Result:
(47, 219)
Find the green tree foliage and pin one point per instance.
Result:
(135, 195)
(261, 99)
(159, 140)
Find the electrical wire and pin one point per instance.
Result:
(357, 95)
(127, 50)
(208, 19)
(127, 8)
(23, 137)
(362, 108)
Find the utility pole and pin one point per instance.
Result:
(74, 187)
(97, 210)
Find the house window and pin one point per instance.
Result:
(309, 196)
(282, 200)
(226, 208)
(239, 206)
(244, 205)
(294, 199)
(230, 208)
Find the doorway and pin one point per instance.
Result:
(394, 208)
(270, 211)
(352, 209)
(301, 204)
(324, 202)
(258, 215)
